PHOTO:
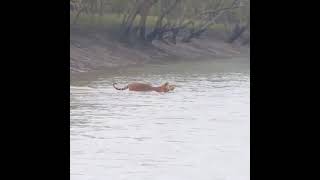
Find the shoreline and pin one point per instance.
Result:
(97, 52)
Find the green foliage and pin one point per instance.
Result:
(111, 13)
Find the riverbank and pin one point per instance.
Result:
(98, 51)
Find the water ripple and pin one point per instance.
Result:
(199, 131)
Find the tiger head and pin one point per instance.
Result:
(166, 87)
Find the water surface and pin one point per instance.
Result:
(198, 132)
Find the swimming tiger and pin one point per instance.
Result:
(146, 87)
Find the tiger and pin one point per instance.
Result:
(146, 87)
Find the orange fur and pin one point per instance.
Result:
(146, 87)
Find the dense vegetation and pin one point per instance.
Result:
(165, 20)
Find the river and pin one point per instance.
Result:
(200, 131)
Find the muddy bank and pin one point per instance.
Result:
(90, 52)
